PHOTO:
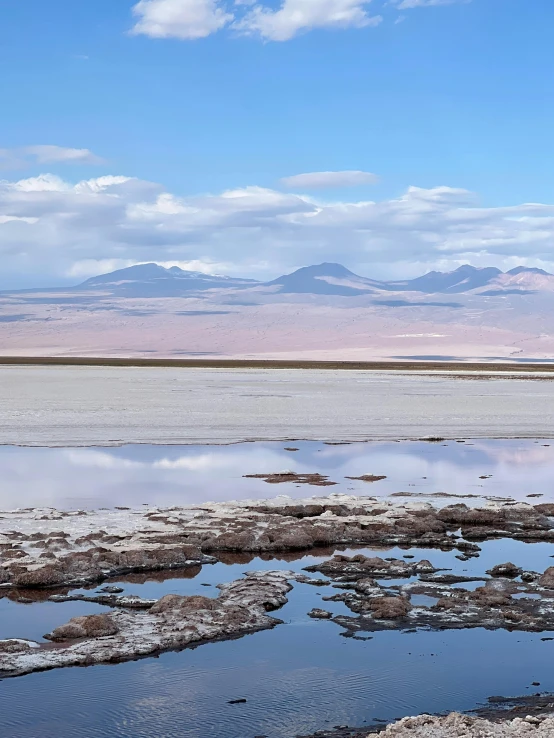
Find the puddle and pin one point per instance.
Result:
(303, 676)
(525, 596)
(32, 621)
(423, 600)
(300, 677)
(134, 475)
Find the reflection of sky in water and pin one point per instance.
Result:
(132, 475)
(300, 677)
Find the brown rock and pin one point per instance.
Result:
(158, 558)
(389, 608)
(243, 541)
(424, 566)
(447, 603)
(181, 602)
(490, 597)
(318, 614)
(546, 508)
(505, 570)
(14, 646)
(318, 480)
(547, 579)
(463, 515)
(368, 478)
(86, 626)
(14, 553)
(46, 576)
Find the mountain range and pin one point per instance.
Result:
(323, 311)
(153, 280)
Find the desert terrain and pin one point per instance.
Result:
(323, 312)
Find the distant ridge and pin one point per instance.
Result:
(324, 279)
(153, 280)
(462, 279)
(328, 278)
(528, 270)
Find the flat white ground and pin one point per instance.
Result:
(76, 406)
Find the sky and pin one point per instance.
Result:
(252, 137)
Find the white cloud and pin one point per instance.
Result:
(184, 19)
(55, 154)
(194, 19)
(42, 183)
(297, 16)
(91, 267)
(407, 4)
(51, 229)
(26, 156)
(321, 180)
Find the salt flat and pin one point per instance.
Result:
(82, 405)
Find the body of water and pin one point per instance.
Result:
(303, 675)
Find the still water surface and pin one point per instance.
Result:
(303, 675)
(180, 475)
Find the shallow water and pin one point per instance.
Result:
(303, 675)
(181, 475)
(297, 678)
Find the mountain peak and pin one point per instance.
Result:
(462, 279)
(326, 269)
(528, 270)
(153, 280)
(469, 269)
(317, 280)
(135, 272)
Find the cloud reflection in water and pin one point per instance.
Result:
(180, 475)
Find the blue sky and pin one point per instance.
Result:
(452, 95)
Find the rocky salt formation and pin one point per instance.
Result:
(501, 602)
(501, 717)
(345, 568)
(462, 726)
(172, 622)
(47, 548)
(288, 477)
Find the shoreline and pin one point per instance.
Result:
(45, 549)
(482, 368)
(285, 439)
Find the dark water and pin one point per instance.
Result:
(297, 678)
(173, 475)
(303, 675)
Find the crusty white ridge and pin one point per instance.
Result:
(462, 726)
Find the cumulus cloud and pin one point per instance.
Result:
(25, 156)
(184, 19)
(51, 228)
(192, 19)
(321, 180)
(297, 16)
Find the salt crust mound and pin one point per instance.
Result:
(462, 726)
